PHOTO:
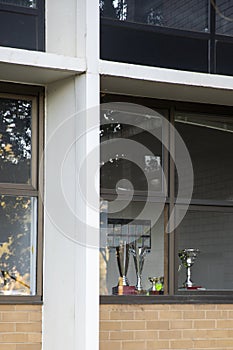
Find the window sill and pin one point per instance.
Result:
(190, 298)
(15, 300)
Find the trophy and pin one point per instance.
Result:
(122, 254)
(157, 285)
(187, 257)
(138, 256)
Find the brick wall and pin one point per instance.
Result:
(20, 327)
(147, 327)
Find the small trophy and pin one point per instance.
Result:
(138, 256)
(157, 285)
(187, 257)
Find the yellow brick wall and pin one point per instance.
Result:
(149, 327)
(20, 327)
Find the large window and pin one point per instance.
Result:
(189, 14)
(20, 204)
(193, 35)
(22, 24)
(167, 166)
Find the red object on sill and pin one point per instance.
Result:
(194, 287)
(127, 290)
(154, 292)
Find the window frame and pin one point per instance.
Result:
(171, 294)
(36, 95)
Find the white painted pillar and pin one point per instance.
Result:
(87, 198)
(87, 208)
(59, 227)
(71, 259)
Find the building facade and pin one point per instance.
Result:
(76, 271)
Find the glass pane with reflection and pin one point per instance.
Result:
(209, 140)
(130, 229)
(15, 140)
(180, 14)
(21, 3)
(211, 233)
(224, 16)
(17, 245)
(131, 153)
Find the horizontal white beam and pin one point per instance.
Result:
(130, 79)
(37, 67)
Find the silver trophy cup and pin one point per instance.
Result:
(122, 254)
(187, 257)
(138, 256)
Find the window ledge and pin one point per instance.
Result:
(167, 299)
(154, 82)
(32, 300)
(35, 67)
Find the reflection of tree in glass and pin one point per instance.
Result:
(15, 140)
(15, 247)
(107, 9)
(24, 3)
(152, 163)
(114, 9)
(155, 17)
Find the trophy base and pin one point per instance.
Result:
(156, 292)
(140, 292)
(123, 290)
(191, 288)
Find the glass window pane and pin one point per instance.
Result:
(15, 140)
(211, 233)
(209, 140)
(131, 156)
(180, 14)
(224, 17)
(128, 232)
(22, 3)
(17, 245)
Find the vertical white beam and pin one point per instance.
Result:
(71, 276)
(87, 207)
(87, 200)
(59, 228)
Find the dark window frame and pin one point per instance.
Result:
(172, 295)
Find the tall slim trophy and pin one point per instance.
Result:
(122, 254)
(138, 256)
(187, 257)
